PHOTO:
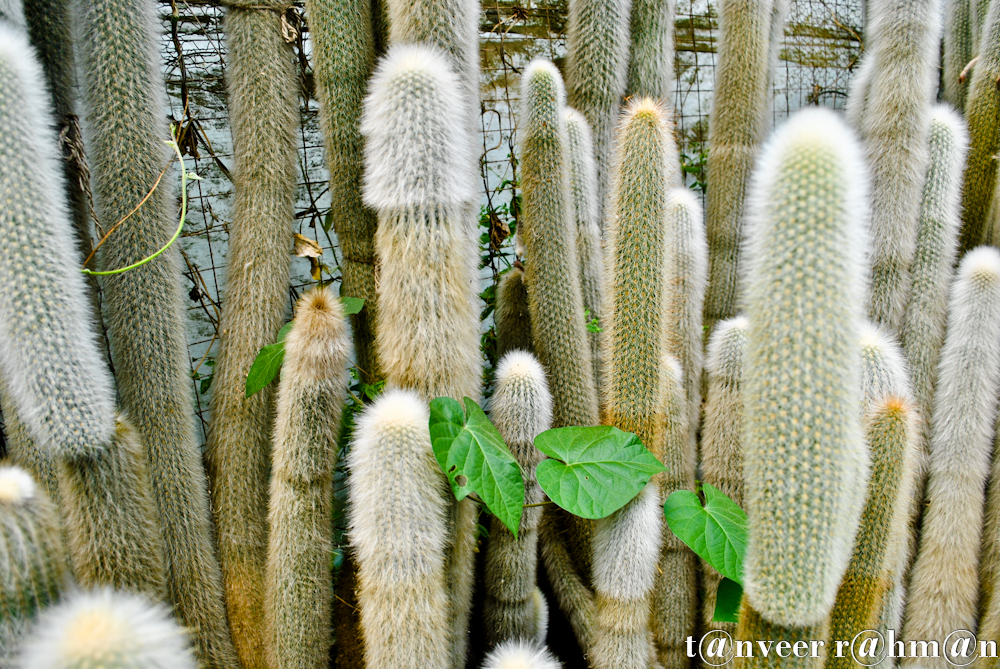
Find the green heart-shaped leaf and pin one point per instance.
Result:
(352, 305)
(267, 363)
(727, 602)
(593, 471)
(475, 458)
(717, 532)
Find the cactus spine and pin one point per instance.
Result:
(982, 114)
(597, 64)
(418, 180)
(399, 530)
(343, 58)
(299, 593)
(687, 281)
(651, 62)
(885, 523)
(944, 581)
(589, 253)
(521, 409)
(957, 50)
(806, 283)
(109, 516)
(894, 127)
(32, 557)
(639, 292)
(107, 629)
(722, 433)
(932, 269)
(54, 373)
(263, 100)
(511, 316)
(518, 654)
(737, 126)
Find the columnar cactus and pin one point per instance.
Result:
(982, 114)
(626, 549)
(571, 590)
(639, 294)
(894, 128)
(675, 595)
(590, 255)
(885, 523)
(978, 15)
(932, 269)
(33, 569)
(417, 179)
(722, 433)
(687, 281)
(597, 63)
(651, 61)
(107, 629)
(944, 581)
(110, 519)
(512, 316)
(399, 527)
(519, 654)
(299, 591)
(521, 409)
(24, 450)
(754, 627)
(737, 125)
(144, 307)
(343, 57)
(807, 219)
(957, 50)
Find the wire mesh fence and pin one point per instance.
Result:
(821, 47)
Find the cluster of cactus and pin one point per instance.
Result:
(732, 342)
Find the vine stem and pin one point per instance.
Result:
(184, 177)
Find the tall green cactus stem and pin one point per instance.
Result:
(636, 326)
(552, 272)
(263, 101)
(651, 61)
(989, 568)
(944, 581)
(885, 522)
(512, 316)
(399, 530)
(343, 58)
(597, 64)
(978, 15)
(417, 178)
(33, 568)
(521, 409)
(753, 627)
(144, 307)
(982, 114)
(779, 13)
(737, 125)
(883, 368)
(110, 519)
(675, 596)
(520, 654)
(298, 599)
(894, 128)
(626, 548)
(687, 280)
(572, 593)
(957, 50)
(54, 373)
(804, 447)
(722, 434)
(589, 252)
(24, 450)
(452, 25)
(857, 94)
(933, 265)
(107, 629)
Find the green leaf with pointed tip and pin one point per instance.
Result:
(475, 458)
(717, 532)
(593, 471)
(352, 305)
(267, 363)
(727, 602)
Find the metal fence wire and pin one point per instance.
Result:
(822, 45)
